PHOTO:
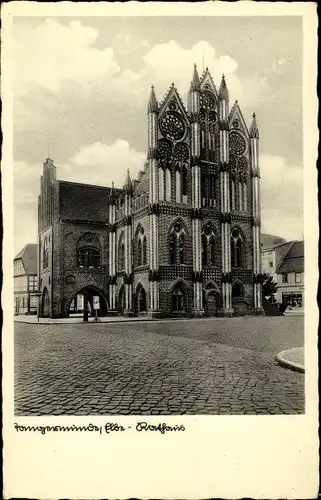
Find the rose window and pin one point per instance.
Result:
(164, 149)
(181, 152)
(237, 143)
(207, 100)
(236, 124)
(172, 126)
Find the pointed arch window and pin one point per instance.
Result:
(141, 247)
(89, 251)
(237, 249)
(177, 242)
(121, 253)
(210, 248)
(237, 289)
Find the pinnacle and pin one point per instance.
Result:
(254, 131)
(223, 92)
(128, 186)
(195, 84)
(152, 103)
(112, 192)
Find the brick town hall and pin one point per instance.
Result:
(182, 239)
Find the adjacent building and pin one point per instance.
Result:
(285, 263)
(25, 280)
(290, 276)
(181, 239)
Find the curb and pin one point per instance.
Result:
(129, 320)
(283, 360)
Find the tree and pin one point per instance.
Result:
(269, 286)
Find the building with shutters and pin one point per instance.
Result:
(183, 239)
(25, 281)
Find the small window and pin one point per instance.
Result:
(284, 278)
(298, 277)
(45, 257)
(271, 264)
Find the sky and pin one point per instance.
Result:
(81, 87)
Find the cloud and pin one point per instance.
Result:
(87, 101)
(96, 163)
(282, 197)
(52, 54)
(101, 163)
(67, 56)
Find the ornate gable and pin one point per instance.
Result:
(173, 102)
(207, 83)
(236, 120)
(238, 144)
(173, 138)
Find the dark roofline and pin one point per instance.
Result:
(291, 245)
(24, 249)
(120, 190)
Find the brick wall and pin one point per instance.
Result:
(71, 279)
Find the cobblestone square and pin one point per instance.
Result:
(209, 366)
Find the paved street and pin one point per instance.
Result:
(210, 366)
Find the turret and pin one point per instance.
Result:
(152, 103)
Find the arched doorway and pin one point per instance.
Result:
(179, 298)
(211, 299)
(45, 304)
(239, 302)
(141, 299)
(211, 303)
(85, 297)
(121, 300)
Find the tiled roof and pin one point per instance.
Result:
(295, 265)
(29, 258)
(84, 202)
(271, 241)
(293, 260)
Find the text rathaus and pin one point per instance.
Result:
(181, 240)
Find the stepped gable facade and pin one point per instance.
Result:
(183, 239)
